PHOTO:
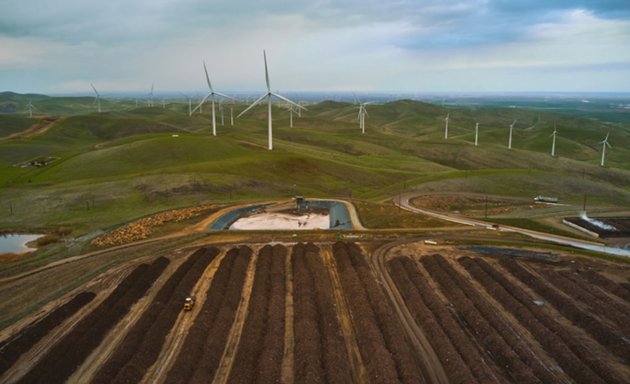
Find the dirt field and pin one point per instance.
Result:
(335, 313)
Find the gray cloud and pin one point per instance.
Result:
(74, 39)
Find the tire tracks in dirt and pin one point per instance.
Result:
(175, 339)
(287, 373)
(431, 366)
(231, 347)
(359, 372)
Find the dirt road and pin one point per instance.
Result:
(432, 368)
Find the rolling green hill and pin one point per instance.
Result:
(127, 162)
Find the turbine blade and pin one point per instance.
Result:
(287, 100)
(207, 77)
(253, 105)
(95, 91)
(266, 72)
(223, 95)
(202, 101)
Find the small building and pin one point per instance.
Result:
(545, 199)
(300, 203)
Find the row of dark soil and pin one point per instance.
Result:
(583, 292)
(607, 284)
(12, 349)
(320, 355)
(387, 354)
(600, 331)
(142, 345)
(575, 359)
(505, 347)
(261, 347)
(462, 361)
(203, 347)
(70, 352)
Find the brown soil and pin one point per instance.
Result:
(332, 313)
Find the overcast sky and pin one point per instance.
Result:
(60, 46)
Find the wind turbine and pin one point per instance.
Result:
(510, 139)
(30, 109)
(231, 116)
(553, 141)
(222, 115)
(604, 144)
(211, 95)
(476, 134)
(291, 110)
(362, 113)
(446, 124)
(151, 95)
(268, 96)
(97, 98)
(189, 103)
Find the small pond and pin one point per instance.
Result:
(339, 215)
(14, 243)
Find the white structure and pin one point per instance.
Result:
(268, 96)
(211, 95)
(97, 98)
(446, 125)
(362, 114)
(30, 109)
(604, 143)
(476, 134)
(189, 103)
(150, 103)
(553, 141)
(231, 116)
(510, 139)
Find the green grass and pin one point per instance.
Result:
(386, 215)
(125, 163)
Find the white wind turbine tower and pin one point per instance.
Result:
(446, 125)
(268, 96)
(222, 115)
(211, 95)
(476, 134)
(291, 110)
(231, 116)
(30, 109)
(97, 98)
(553, 141)
(362, 113)
(510, 138)
(151, 95)
(189, 103)
(604, 144)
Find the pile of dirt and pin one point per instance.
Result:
(145, 227)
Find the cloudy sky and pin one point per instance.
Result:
(60, 46)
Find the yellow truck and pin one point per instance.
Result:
(189, 303)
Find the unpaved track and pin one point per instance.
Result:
(101, 354)
(175, 339)
(102, 285)
(36, 129)
(231, 347)
(359, 373)
(289, 337)
(431, 368)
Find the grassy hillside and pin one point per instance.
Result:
(113, 166)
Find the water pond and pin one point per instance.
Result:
(15, 243)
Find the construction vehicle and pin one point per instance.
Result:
(189, 303)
